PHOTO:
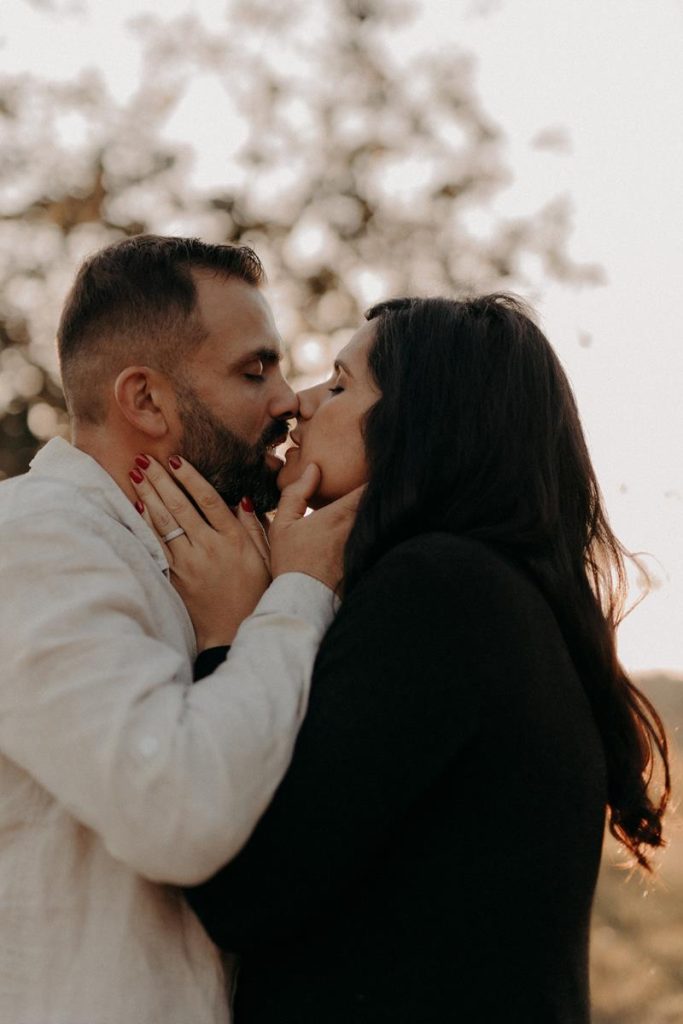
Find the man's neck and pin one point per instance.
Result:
(115, 455)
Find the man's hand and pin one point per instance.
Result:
(312, 544)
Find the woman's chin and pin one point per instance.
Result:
(290, 473)
(286, 476)
(292, 468)
(273, 461)
(320, 500)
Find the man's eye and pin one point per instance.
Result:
(255, 370)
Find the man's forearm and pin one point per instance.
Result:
(100, 712)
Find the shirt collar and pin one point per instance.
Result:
(62, 461)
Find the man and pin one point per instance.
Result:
(119, 776)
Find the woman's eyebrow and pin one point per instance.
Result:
(339, 365)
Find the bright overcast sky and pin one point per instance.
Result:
(608, 72)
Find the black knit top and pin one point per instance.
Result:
(432, 853)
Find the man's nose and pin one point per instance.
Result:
(285, 405)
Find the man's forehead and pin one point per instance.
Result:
(236, 313)
(230, 298)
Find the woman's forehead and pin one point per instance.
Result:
(356, 350)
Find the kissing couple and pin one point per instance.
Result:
(350, 767)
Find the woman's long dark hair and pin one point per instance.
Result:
(477, 433)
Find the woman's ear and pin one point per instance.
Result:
(145, 398)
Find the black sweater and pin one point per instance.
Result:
(432, 853)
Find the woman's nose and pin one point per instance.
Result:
(309, 400)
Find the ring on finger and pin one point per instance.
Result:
(178, 532)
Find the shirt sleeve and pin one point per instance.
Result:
(394, 699)
(102, 713)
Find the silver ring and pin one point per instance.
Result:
(178, 532)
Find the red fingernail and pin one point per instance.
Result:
(175, 462)
(136, 476)
(142, 461)
(247, 504)
(140, 507)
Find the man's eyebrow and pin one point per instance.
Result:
(340, 365)
(268, 356)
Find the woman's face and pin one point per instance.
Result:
(328, 431)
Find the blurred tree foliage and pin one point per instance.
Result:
(354, 173)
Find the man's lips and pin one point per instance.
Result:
(280, 439)
(269, 456)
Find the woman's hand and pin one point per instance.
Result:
(221, 566)
(313, 544)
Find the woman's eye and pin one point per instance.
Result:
(335, 390)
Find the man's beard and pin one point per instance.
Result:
(235, 468)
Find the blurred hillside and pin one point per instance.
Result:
(637, 944)
(355, 174)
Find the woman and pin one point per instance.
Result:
(432, 853)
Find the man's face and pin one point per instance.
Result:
(233, 402)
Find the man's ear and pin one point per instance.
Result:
(145, 398)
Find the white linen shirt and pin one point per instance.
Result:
(119, 779)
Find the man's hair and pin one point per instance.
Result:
(136, 302)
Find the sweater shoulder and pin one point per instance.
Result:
(449, 559)
(438, 576)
